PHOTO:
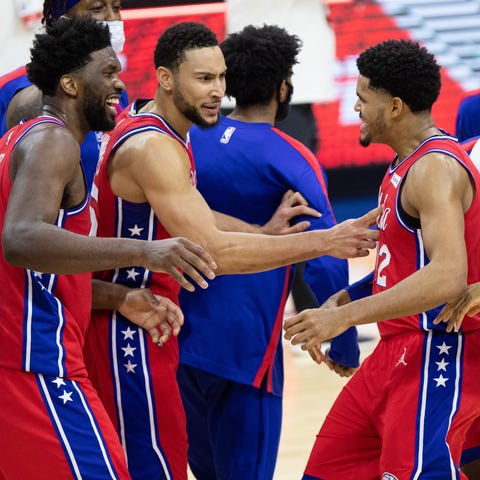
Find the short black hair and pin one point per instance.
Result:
(65, 47)
(403, 69)
(177, 39)
(258, 59)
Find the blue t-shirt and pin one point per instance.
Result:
(234, 328)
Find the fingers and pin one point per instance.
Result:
(370, 218)
(298, 227)
(294, 198)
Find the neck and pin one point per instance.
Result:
(170, 113)
(255, 113)
(54, 111)
(414, 135)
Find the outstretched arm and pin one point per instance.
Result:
(441, 215)
(46, 177)
(155, 169)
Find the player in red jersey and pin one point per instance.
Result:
(52, 422)
(405, 413)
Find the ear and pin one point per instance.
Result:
(397, 106)
(165, 78)
(69, 84)
(283, 91)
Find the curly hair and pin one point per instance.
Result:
(258, 59)
(404, 69)
(177, 39)
(64, 48)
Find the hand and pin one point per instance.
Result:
(156, 314)
(292, 205)
(174, 254)
(353, 237)
(454, 311)
(313, 326)
(338, 368)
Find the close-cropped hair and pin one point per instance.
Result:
(65, 47)
(403, 69)
(177, 39)
(258, 59)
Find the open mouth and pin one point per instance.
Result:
(112, 101)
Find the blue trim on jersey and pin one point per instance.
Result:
(68, 408)
(439, 397)
(133, 389)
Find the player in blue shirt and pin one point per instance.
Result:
(19, 99)
(231, 371)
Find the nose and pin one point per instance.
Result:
(118, 84)
(219, 87)
(356, 107)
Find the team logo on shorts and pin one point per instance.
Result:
(389, 476)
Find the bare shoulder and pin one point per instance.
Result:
(149, 149)
(48, 147)
(26, 104)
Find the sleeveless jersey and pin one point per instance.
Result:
(120, 218)
(45, 316)
(400, 250)
(135, 379)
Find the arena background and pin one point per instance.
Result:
(448, 28)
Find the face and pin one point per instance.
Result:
(102, 89)
(370, 105)
(100, 10)
(199, 85)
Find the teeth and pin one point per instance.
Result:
(113, 101)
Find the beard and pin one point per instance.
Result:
(97, 114)
(190, 112)
(364, 141)
(283, 108)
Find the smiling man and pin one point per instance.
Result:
(145, 188)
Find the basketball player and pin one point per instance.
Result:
(145, 188)
(52, 422)
(19, 99)
(406, 411)
(244, 165)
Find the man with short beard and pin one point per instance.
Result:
(145, 188)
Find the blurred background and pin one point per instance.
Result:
(448, 28)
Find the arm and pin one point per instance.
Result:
(441, 214)
(46, 176)
(154, 168)
(156, 314)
